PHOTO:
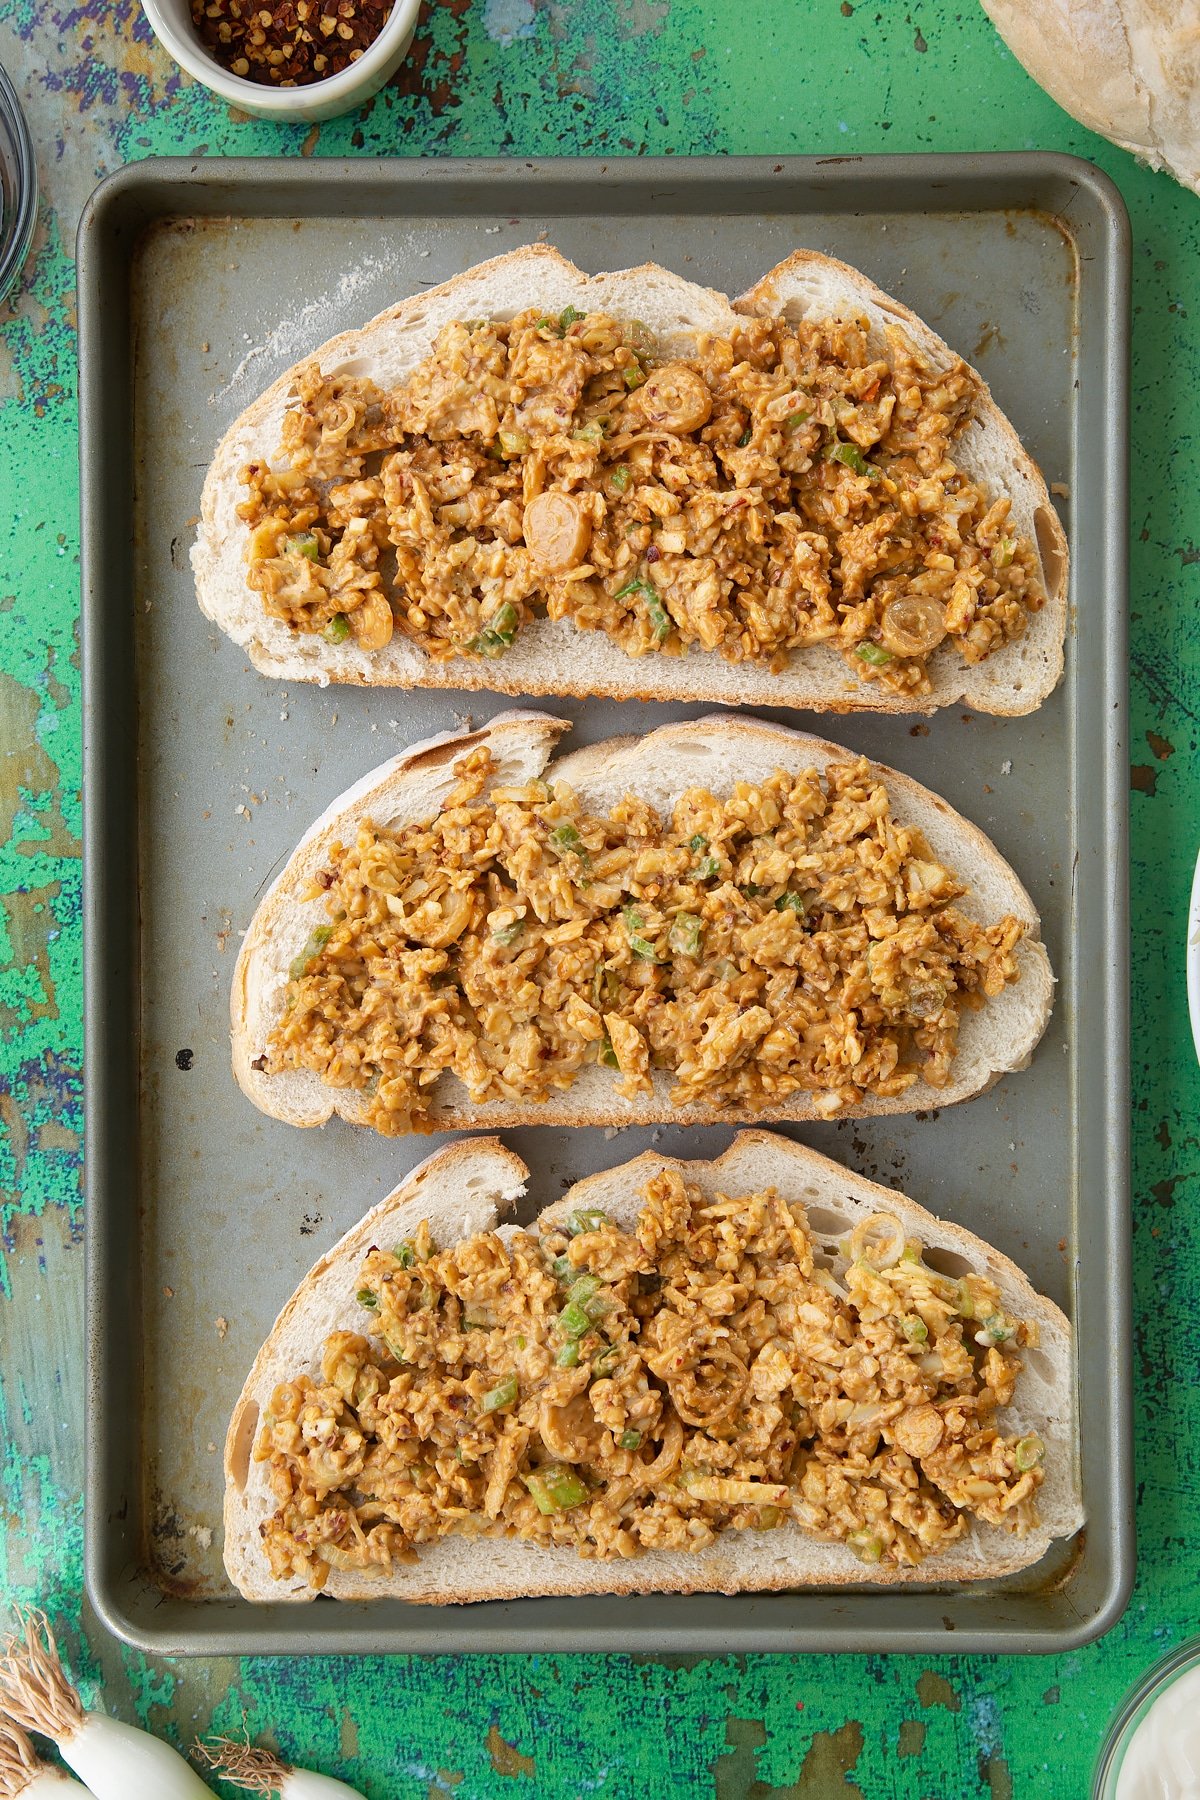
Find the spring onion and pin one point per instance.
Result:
(866, 1546)
(23, 1774)
(585, 1219)
(337, 630)
(583, 1288)
(259, 1771)
(573, 1320)
(914, 1329)
(851, 457)
(620, 477)
(684, 938)
(564, 1269)
(304, 544)
(698, 843)
(608, 1055)
(367, 1298)
(316, 941)
(570, 315)
(873, 654)
(791, 902)
(555, 1488)
(566, 840)
(405, 1254)
(568, 1357)
(591, 433)
(633, 375)
(1002, 555)
(497, 635)
(1030, 1451)
(744, 440)
(503, 1394)
(507, 935)
(604, 1364)
(634, 925)
(606, 988)
(995, 1330)
(707, 869)
(116, 1761)
(629, 1440)
(660, 619)
(794, 421)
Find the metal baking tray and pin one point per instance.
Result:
(198, 283)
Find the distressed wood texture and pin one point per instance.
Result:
(616, 77)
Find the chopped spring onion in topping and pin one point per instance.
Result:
(634, 375)
(620, 477)
(708, 869)
(608, 1055)
(794, 421)
(1030, 1451)
(546, 323)
(519, 1342)
(866, 1546)
(507, 935)
(555, 1488)
(564, 1268)
(591, 433)
(639, 337)
(405, 1254)
(606, 988)
(660, 619)
(629, 1440)
(745, 438)
(684, 937)
(573, 1321)
(498, 634)
(318, 937)
(851, 457)
(698, 843)
(996, 1330)
(1004, 551)
(566, 840)
(502, 1395)
(914, 1329)
(604, 1364)
(965, 1300)
(582, 1290)
(366, 1298)
(792, 902)
(337, 630)
(767, 1518)
(585, 1219)
(305, 544)
(513, 443)
(873, 654)
(634, 924)
(568, 1357)
(570, 315)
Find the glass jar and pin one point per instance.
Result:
(1150, 1688)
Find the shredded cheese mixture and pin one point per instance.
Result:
(789, 938)
(620, 1392)
(785, 487)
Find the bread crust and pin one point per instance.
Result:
(553, 656)
(459, 1570)
(994, 1040)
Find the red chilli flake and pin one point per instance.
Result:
(292, 42)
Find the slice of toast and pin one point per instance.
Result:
(712, 752)
(471, 1187)
(554, 656)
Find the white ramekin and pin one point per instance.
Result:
(171, 21)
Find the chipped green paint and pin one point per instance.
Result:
(614, 77)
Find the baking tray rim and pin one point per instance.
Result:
(154, 189)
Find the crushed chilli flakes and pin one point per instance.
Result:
(789, 938)
(617, 1392)
(785, 487)
(288, 43)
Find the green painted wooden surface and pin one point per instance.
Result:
(611, 76)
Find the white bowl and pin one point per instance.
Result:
(171, 22)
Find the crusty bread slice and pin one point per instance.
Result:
(712, 752)
(470, 1187)
(554, 656)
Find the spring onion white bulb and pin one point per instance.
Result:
(261, 1772)
(116, 1761)
(23, 1776)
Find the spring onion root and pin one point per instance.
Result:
(116, 1761)
(23, 1776)
(261, 1772)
